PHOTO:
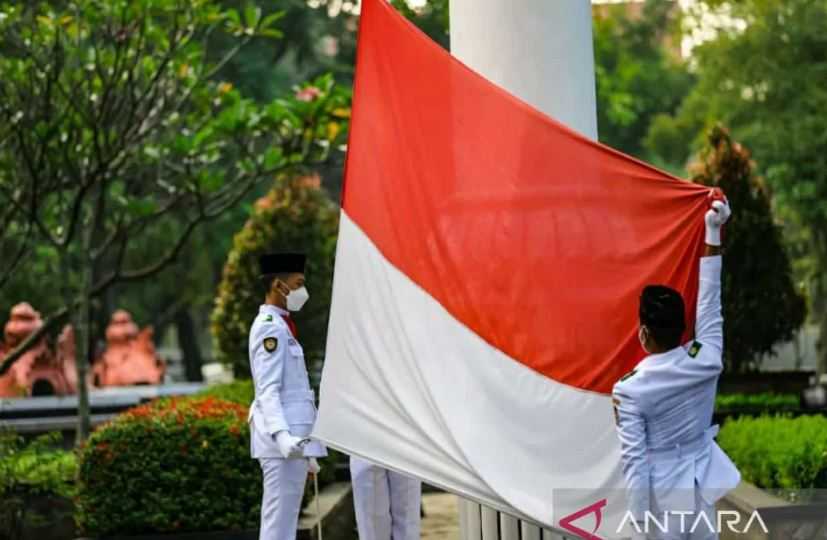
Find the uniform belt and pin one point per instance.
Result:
(684, 449)
(291, 396)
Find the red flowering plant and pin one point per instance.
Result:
(175, 464)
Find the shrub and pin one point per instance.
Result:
(170, 465)
(762, 306)
(295, 215)
(766, 402)
(30, 470)
(778, 452)
(240, 392)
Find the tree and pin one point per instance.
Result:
(637, 76)
(764, 76)
(116, 132)
(761, 304)
(431, 18)
(315, 41)
(295, 215)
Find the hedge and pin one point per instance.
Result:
(766, 402)
(29, 470)
(176, 464)
(778, 452)
(241, 392)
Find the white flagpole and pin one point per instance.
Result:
(541, 51)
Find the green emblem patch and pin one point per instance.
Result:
(695, 349)
(628, 375)
(270, 344)
(268, 318)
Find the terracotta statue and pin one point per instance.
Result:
(129, 357)
(38, 372)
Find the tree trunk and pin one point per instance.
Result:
(82, 340)
(188, 341)
(821, 349)
(820, 303)
(80, 315)
(78, 305)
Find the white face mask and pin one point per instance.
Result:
(297, 298)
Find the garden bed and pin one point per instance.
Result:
(783, 461)
(730, 406)
(780, 519)
(336, 516)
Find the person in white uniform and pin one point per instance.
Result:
(387, 503)
(284, 410)
(674, 470)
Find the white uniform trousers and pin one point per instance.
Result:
(283, 482)
(387, 503)
(681, 528)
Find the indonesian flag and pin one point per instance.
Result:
(488, 271)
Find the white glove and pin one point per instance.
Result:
(289, 445)
(715, 219)
(313, 466)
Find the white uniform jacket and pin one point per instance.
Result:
(283, 397)
(663, 410)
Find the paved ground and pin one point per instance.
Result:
(441, 517)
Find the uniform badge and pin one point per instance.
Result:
(628, 375)
(695, 349)
(270, 344)
(268, 318)
(615, 405)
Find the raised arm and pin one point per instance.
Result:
(709, 325)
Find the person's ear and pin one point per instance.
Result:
(643, 336)
(283, 287)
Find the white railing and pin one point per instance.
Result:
(477, 522)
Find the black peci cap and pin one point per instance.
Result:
(280, 263)
(662, 307)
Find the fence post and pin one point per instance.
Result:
(477, 522)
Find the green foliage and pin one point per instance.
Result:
(766, 402)
(28, 470)
(119, 138)
(313, 41)
(170, 465)
(294, 215)
(778, 452)
(637, 77)
(240, 392)
(766, 79)
(761, 304)
(432, 18)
